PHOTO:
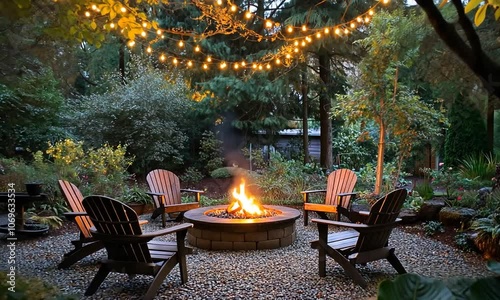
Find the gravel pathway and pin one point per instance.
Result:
(286, 273)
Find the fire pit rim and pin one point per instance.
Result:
(198, 215)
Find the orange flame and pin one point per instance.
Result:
(243, 204)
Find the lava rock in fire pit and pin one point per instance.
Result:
(222, 213)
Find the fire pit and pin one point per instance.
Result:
(251, 227)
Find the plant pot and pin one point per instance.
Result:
(33, 189)
(137, 207)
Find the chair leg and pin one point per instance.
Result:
(306, 217)
(394, 261)
(159, 278)
(80, 253)
(98, 279)
(163, 220)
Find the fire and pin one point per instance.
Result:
(244, 205)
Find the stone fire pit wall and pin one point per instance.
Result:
(212, 233)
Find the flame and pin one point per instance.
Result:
(243, 204)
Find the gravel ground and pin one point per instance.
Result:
(286, 273)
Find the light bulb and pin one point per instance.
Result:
(123, 9)
(290, 29)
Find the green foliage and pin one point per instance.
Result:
(491, 205)
(432, 227)
(449, 179)
(462, 242)
(225, 172)
(488, 228)
(148, 113)
(424, 189)
(136, 194)
(396, 109)
(283, 181)
(414, 286)
(191, 175)
(255, 157)
(466, 134)
(211, 152)
(413, 201)
(479, 167)
(30, 288)
(352, 150)
(366, 177)
(30, 110)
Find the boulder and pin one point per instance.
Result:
(408, 216)
(459, 217)
(429, 211)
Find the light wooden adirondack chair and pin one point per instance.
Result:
(165, 188)
(86, 244)
(339, 194)
(366, 242)
(129, 250)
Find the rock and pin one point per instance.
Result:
(430, 209)
(408, 216)
(456, 216)
(482, 195)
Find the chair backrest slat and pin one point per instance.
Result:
(74, 198)
(340, 181)
(165, 182)
(111, 218)
(384, 211)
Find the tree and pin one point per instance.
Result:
(381, 97)
(468, 47)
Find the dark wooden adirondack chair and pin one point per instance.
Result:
(86, 244)
(129, 250)
(339, 194)
(165, 188)
(367, 242)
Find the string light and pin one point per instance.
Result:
(284, 53)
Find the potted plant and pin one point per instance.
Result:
(136, 197)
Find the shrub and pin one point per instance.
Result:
(149, 114)
(424, 189)
(191, 175)
(479, 167)
(211, 152)
(462, 242)
(283, 180)
(413, 201)
(433, 227)
(31, 288)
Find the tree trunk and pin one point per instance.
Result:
(305, 114)
(380, 159)
(326, 160)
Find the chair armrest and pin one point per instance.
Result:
(353, 196)
(357, 226)
(313, 191)
(73, 214)
(155, 193)
(192, 191)
(145, 237)
(305, 194)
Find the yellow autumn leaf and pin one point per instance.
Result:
(131, 35)
(497, 14)
(123, 22)
(443, 3)
(104, 10)
(112, 14)
(93, 25)
(494, 2)
(480, 15)
(471, 5)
